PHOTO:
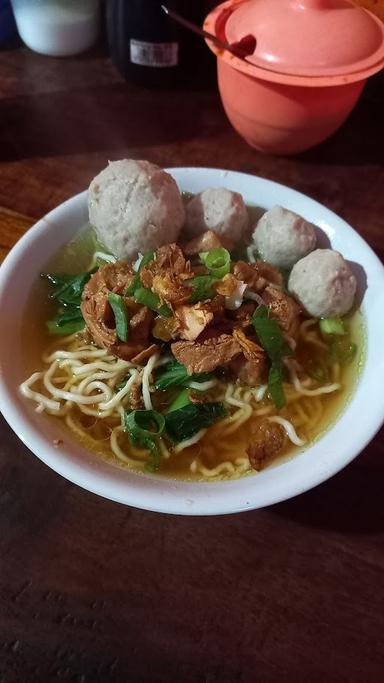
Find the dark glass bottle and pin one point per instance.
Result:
(147, 46)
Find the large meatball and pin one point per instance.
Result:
(220, 210)
(323, 283)
(283, 237)
(135, 206)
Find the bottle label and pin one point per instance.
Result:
(154, 54)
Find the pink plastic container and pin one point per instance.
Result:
(311, 61)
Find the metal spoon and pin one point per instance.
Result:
(241, 49)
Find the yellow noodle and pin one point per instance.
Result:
(79, 381)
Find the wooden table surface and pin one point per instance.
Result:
(94, 591)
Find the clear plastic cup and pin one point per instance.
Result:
(57, 27)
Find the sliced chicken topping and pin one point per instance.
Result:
(98, 315)
(228, 285)
(165, 329)
(141, 357)
(250, 349)
(257, 275)
(208, 240)
(166, 274)
(284, 309)
(248, 372)
(267, 440)
(253, 371)
(208, 355)
(243, 315)
(135, 396)
(193, 320)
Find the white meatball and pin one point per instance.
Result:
(282, 237)
(323, 283)
(135, 206)
(220, 210)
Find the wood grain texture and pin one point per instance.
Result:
(94, 591)
(12, 226)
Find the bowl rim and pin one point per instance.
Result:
(176, 496)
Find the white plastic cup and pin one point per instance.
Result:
(58, 28)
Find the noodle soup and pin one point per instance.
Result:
(91, 390)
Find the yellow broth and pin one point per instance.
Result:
(311, 416)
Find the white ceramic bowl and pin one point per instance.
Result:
(357, 425)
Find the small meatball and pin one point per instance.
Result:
(135, 206)
(283, 237)
(219, 210)
(267, 440)
(323, 283)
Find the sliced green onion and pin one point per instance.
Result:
(148, 256)
(133, 286)
(181, 400)
(202, 288)
(332, 326)
(136, 282)
(217, 261)
(119, 309)
(148, 298)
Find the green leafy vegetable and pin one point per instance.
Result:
(69, 321)
(185, 422)
(272, 341)
(144, 427)
(67, 289)
(202, 288)
(342, 351)
(148, 298)
(181, 400)
(217, 261)
(175, 374)
(275, 385)
(119, 309)
(270, 335)
(332, 326)
(66, 292)
(136, 282)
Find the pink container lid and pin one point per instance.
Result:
(316, 42)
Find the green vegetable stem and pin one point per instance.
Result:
(119, 309)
